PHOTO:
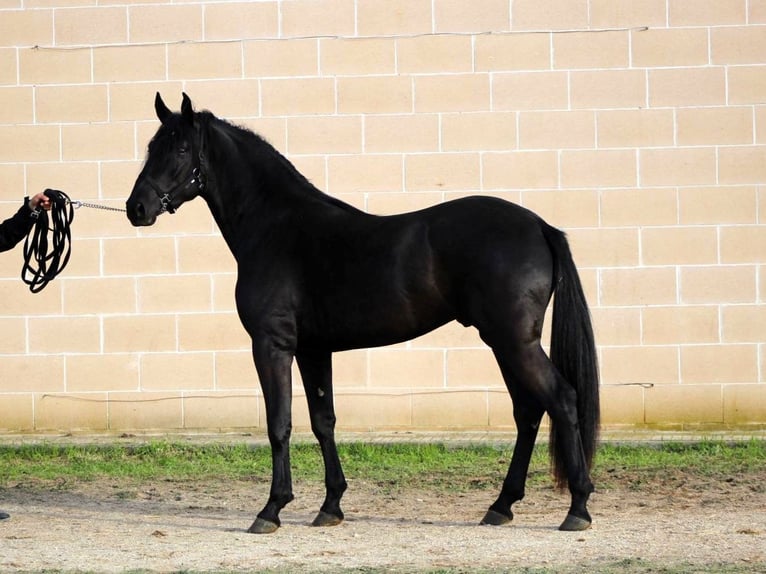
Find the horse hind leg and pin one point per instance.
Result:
(316, 372)
(527, 414)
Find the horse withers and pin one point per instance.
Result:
(316, 275)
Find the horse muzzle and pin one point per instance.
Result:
(142, 208)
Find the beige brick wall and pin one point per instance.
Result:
(638, 126)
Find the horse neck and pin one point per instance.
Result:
(250, 185)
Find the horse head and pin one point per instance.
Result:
(173, 171)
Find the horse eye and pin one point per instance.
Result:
(182, 150)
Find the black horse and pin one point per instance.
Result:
(316, 275)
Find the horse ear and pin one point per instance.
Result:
(163, 113)
(186, 109)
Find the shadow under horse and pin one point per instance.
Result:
(316, 275)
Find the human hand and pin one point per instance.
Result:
(40, 201)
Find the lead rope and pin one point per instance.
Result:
(41, 267)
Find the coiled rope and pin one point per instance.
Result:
(40, 265)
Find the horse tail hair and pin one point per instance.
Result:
(573, 352)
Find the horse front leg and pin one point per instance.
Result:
(273, 366)
(316, 371)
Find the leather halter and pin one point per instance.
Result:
(195, 178)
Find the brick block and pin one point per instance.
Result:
(364, 56)
(530, 91)
(743, 244)
(480, 131)
(591, 50)
(85, 261)
(550, 14)
(218, 411)
(635, 128)
(746, 84)
(33, 373)
(743, 323)
(501, 52)
(557, 130)
(715, 126)
(639, 286)
(678, 166)
(746, 164)
(473, 368)
(656, 365)
(177, 371)
(16, 413)
(696, 404)
(520, 170)
(465, 409)
(680, 325)
(718, 284)
(702, 364)
(235, 370)
(78, 179)
(756, 12)
(627, 13)
(30, 143)
(91, 26)
(668, 47)
(373, 411)
(99, 295)
(97, 142)
(174, 293)
(145, 411)
(13, 335)
(604, 247)
(679, 246)
(456, 171)
(459, 92)
(64, 335)
(14, 178)
(129, 63)
(375, 94)
(365, 173)
(395, 17)
(622, 405)
(139, 333)
(324, 134)
(706, 12)
(298, 96)
(629, 207)
(616, 325)
(236, 20)
(460, 17)
(204, 61)
(403, 133)
(165, 23)
(69, 104)
(108, 373)
(131, 256)
(211, 332)
(20, 28)
(409, 368)
(743, 404)
(575, 208)
(717, 205)
(17, 105)
(669, 87)
(608, 89)
(278, 58)
(8, 66)
(434, 54)
(349, 369)
(16, 299)
(134, 101)
(317, 18)
(598, 168)
(71, 412)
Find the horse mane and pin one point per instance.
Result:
(266, 154)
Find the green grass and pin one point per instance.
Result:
(439, 466)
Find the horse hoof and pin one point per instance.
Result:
(261, 526)
(574, 523)
(494, 518)
(326, 519)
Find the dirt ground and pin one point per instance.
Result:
(163, 526)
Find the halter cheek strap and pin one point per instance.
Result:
(195, 178)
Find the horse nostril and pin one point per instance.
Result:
(140, 211)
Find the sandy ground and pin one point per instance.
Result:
(163, 526)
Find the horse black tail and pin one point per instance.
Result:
(573, 351)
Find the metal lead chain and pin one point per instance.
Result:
(79, 204)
